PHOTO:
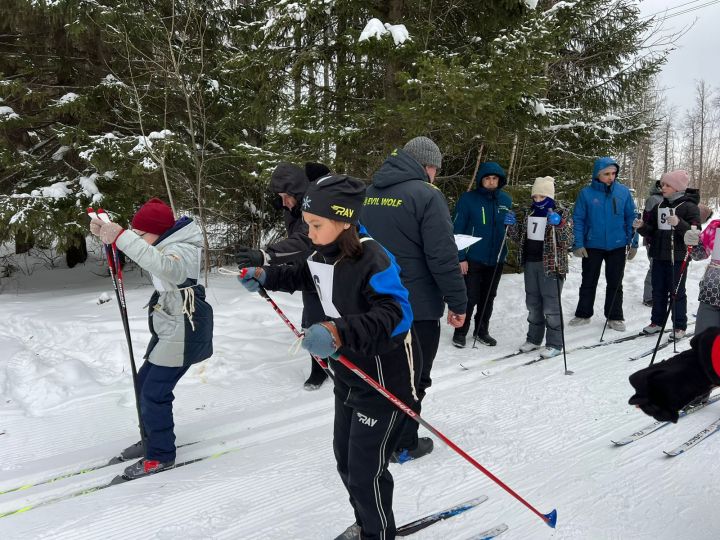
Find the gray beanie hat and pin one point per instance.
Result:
(425, 151)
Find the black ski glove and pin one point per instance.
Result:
(246, 256)
(662, 389)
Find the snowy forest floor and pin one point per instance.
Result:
(66, 402)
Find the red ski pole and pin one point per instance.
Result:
(550, 518)
(115, 268)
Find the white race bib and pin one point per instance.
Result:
(663, 215)
(536, 228)
(323, 276)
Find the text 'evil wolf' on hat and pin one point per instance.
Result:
(424, 151)
(339, 197)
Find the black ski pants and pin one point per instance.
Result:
(363, 443)
(664, 281)
(481, 287)
(614, 269)
(428, 335)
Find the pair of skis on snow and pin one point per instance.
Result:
(587, 347)
(404, 530)
(687, 445)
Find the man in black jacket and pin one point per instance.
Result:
(290, 182)
(410, 218)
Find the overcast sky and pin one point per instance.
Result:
(696, 55)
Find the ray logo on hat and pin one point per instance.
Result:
(338, 197)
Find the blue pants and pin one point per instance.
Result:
(664, 281)
(156, 384)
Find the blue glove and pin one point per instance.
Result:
(554, 218)
(509, 218)
(252, 277)
(319, 341)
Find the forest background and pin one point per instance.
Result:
(109, 103)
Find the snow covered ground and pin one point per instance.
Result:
(66, 403)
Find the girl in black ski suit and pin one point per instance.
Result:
(368, 320)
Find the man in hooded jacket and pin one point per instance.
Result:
(290, 183)
(410, 218)
(603, 217)
(481, 213)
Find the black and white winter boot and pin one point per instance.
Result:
(315, 381)
(424, 447)
(144, 467)
(458, 340)
(134, 451)
(486, 338)
(351, 533)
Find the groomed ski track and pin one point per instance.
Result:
(66, 403)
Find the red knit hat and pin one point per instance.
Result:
(154, 217)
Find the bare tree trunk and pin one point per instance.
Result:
(512, 159)
(477, 166)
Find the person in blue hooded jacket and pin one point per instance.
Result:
(603, 219)
(481, 213)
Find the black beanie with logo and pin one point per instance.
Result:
(338, 197)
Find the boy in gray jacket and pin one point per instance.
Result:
(180, 320)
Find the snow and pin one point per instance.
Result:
(399, 33)
(89, 185)
(532, 4)
(7, 113)
(58, 190)
(66, 402)
(67, 98)
(111, 80)
(59, 154)
(375, 28)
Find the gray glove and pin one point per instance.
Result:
(631, 253)
(580, 252)
(692, 237)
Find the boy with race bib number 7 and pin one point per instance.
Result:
(543, 234)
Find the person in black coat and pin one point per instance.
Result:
(665, 226)
(290, 183)
(368, 320)
(410, 218)
(665, 388)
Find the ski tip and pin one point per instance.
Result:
(119, 479)
(551, 519)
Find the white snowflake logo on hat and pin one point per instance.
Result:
(306, 203)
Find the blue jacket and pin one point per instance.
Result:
(481, 212)
(603, 215)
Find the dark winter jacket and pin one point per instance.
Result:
(374, 323)
(180, 320)
(410, 218)
(563, 239)
(603, 215)
(290, 179)
(481, 212)
(685, 207)
(651, 202)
